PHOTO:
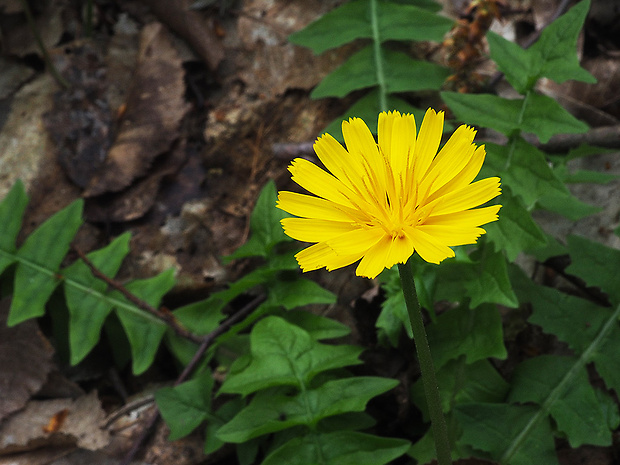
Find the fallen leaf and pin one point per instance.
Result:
(26, 430)
(25, 362)
(150, 123)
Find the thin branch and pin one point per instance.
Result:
(164, 316)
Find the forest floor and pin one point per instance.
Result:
(171, 122)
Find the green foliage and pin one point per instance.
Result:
(376, 65)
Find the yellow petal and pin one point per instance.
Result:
(374, 261)
(470, 196)
(451, 236)
(428, 141)
(319, 182)
(400, 251)
(451, 160)
(313, 207)
(429, 248)
(357, 241)
(465, 219)
(361, 144)
(321, 255)
(462, 179)
(384, 132)
(334, 156)
(403, 143)
(314, 230)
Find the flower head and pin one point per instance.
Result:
(382, 201)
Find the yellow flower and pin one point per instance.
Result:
(381, 202)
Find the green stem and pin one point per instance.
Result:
(431, 391)
(374, 22)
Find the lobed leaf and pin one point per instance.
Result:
(39, 259)
(12, 211)
(186, 406)
(595, 263)
(283, 354)
(577, 410)
(144, 331)
(353, 20)
(268, 413)
(297, 293)
(360, 71)
(515, 230)
(319, 327)
(538, 114)
(474, 333)
(85, 296)
(338, 448)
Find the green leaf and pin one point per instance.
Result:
(268, 413)
(186, 406)
(555, 52)
(493, 428)
(367, 108)
(513, 61)
(12, 211)
(297, 293)
(490, 283)
(264, 226)
(353, 21)
(577, 411)
(538, 114)
(527, 174)
(595, 263)
(338, 448)
(285, 354)
(568, 206)
(84, 293)
(474, 333)
(145, 333)
(515, 231)
(460, 383)
(319, 327)
(360, 71)
(39, 259)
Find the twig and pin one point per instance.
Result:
(206, 342)
(292, 150)
(166, 317)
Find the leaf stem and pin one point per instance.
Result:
(374, 22)
(431, 391)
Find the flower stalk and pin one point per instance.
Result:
(429, 380)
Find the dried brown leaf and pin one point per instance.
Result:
(154, 109)
(25, 361)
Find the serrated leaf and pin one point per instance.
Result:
(555, 52)
(269, 413)
(528, 173)
(265, 227)
(583, 325)
(360, 71)
(297, 293)
(353, 20)
(595, 263)
(338, 448)
(538, 114)
(589, 176)
(283, 354)
(39, 259)
(576, 410)
(87, 309)
(367, 108)
(319, 327)
(474, 333)
(493, 428)
(12, 211)
(515, 231)
(143, 330)
(186, 406)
